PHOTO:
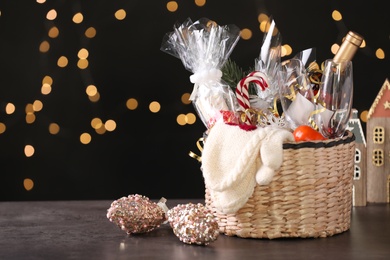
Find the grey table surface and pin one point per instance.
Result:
(80, 230)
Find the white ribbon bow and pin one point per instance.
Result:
(199, 78)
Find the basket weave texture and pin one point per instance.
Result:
(309, 196)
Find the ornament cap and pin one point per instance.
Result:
(162, 204)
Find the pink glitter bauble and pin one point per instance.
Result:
(137, 214)
(193, 224)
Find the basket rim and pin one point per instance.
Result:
(347, 138)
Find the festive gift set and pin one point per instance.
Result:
(267, 173)
(276, 156)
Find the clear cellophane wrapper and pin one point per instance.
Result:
(268, 62)
(296, 95)
(203, 47)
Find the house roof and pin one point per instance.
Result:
(381, 105)
(355, 126)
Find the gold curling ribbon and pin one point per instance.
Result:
(315, 76)
(315, 72)
(317, 111)
(293, 94)
(275, 110)
(200, 147)
(311, 120)
(253, 112)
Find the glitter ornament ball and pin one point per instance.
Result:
(193, 224)
(137, 214)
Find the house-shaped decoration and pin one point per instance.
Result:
(360, 173)
(378, 147)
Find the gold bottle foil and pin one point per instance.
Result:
(349, 47)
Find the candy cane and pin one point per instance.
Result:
(242, 93)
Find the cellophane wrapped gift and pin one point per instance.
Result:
(203, 47)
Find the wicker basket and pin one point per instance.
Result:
(309, 196)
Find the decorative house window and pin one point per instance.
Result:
(379, 135)
(377, 157)
(356, 174)
(358, 155)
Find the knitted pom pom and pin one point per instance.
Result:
(264, 175)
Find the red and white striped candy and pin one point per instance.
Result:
(242, 94)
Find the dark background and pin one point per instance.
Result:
(148, 152)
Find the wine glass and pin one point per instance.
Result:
(334, 102)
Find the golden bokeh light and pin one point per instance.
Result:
(3, 128)
(82, 64)
(47, 80)
(30, 118)
(29, 150)
(78, 18)
(181, 119)
(334, 48)
(10, 108)
(110, 125)
(51, 15)
(96, 123)
(286, 50)
(363, 44)
(336, 15)
(91, 90)
(37, 105)
(62, 62)
(85, 138)
(45, 89)
(132, 103)
(380, 54)
(94, 98)
(29, 108)
(44, 46)
(264, 27)
(200, 3)
(172, 6)
(28, 184)
(54, 128)
(283, 51)
(185, 98)
(120, 14)
(83, 53)
(101, 130)
(190, 118)
(53, 32)
(246, 34)
(154, 107)
(262, 18)
(363, 116)
(90, 32)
